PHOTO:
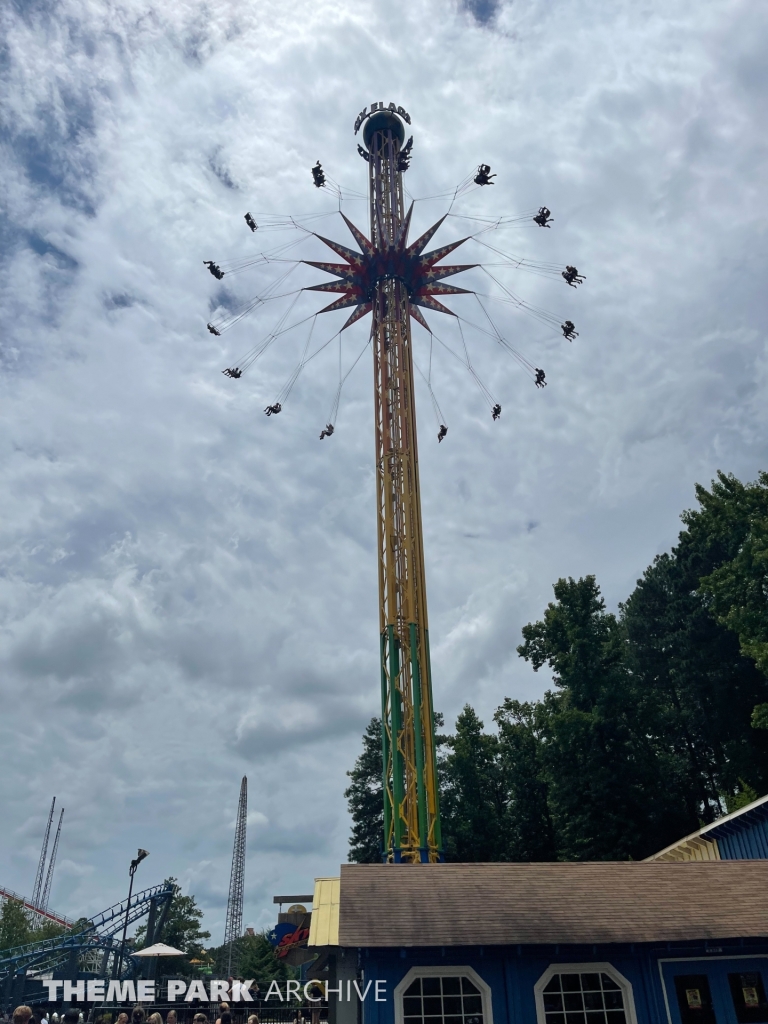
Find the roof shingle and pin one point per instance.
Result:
(506, 904)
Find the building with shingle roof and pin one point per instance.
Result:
(663, 941)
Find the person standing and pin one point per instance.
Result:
(316, 996)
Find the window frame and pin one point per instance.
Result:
(445, 972)
(588, 968)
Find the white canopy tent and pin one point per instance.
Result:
(159, 949)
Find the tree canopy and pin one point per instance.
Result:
(15, 928)
(255, 958)
(657, 721)
(18, 927)
(739, 586)
(365, 799)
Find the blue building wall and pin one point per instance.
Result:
(740, 835)
(512, 972)
(743, 838)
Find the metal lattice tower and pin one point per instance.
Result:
(233, 927)
(411, 812)
(38, 889)
(51, 863)
(391, 279)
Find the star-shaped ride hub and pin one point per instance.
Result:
(395, 260)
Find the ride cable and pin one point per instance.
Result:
(542, 315)
(286, 389)
(342, 380)
(439, 418)
(466, 363)
(497, 336)
(223, 323)
(521, 262)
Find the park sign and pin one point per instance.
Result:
(290, 936)
(287, 936)
(375, 107)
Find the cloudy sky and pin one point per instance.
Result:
(187, 587)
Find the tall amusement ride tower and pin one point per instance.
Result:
(395, 280)
(409, 780)
(392, 279)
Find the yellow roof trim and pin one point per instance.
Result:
(693, 848)
(324, 929)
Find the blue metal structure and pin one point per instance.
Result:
(98, 942)
(741, 835)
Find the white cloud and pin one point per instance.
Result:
(188, 589)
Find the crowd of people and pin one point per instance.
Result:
(26, 1015)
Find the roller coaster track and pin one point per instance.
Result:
(98, 936)
(29, 906)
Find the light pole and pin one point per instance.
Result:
(131, 871)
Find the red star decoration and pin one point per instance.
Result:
(362, 271)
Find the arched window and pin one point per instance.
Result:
(443, 995)
(584, 994)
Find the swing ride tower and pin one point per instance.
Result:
(391, 279)
(394, 280)
(409, 769)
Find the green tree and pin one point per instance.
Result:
(255, 957)
(695, 683)
(603, 775)
(474, 794)
(657, 722)
(739, 588)
(365, 800)
(49, 930)
(735, 803)
(15, 929)
(531, 835)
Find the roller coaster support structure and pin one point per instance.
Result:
(97, 943)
